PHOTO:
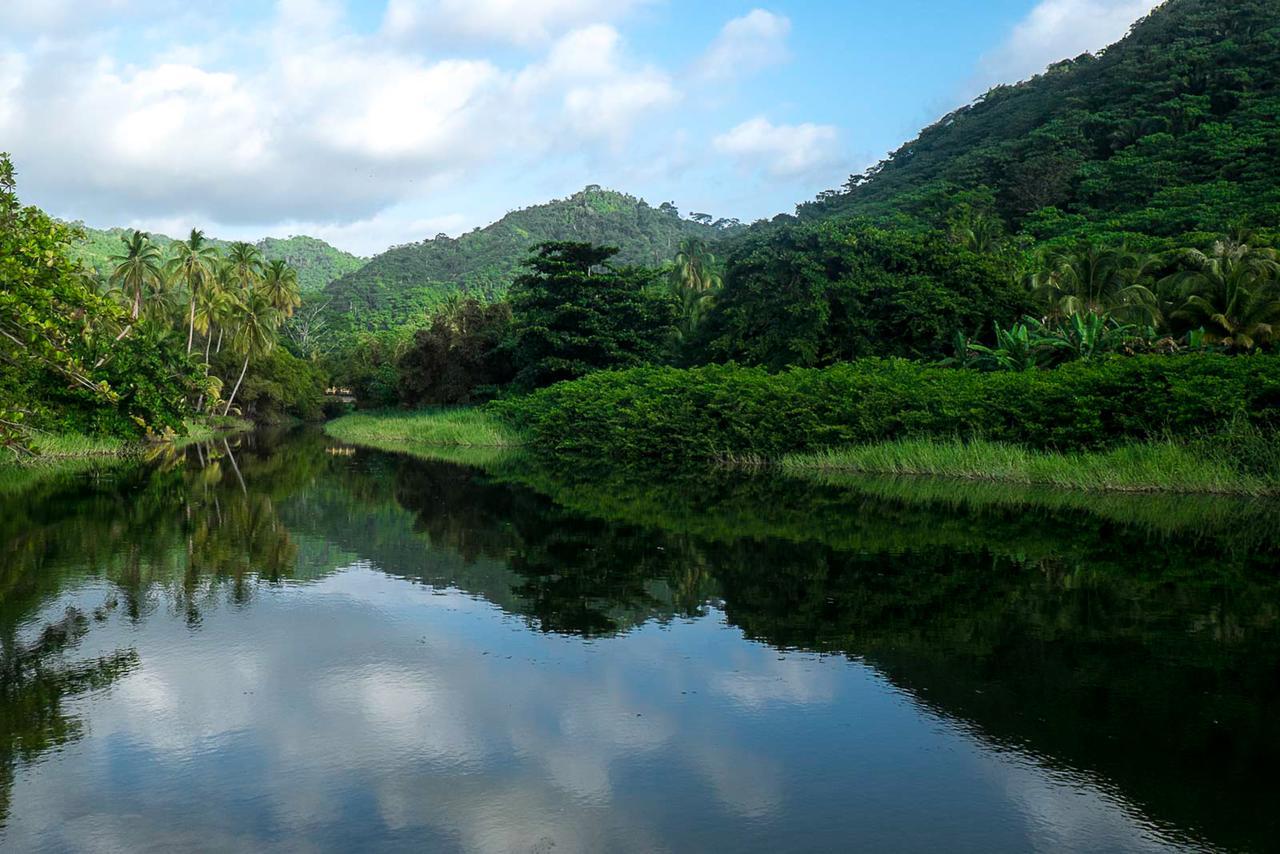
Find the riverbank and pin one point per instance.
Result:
(52, 447)
(470, 436)
(478, 436)
(1156, 466)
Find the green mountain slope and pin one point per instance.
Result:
(1172, 130)
(317, 262)
(395, 287)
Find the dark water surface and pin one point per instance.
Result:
(283, 644)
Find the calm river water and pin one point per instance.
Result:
(281, 644)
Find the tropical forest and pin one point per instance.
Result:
(938, 511)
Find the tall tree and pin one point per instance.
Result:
(138, 269)
(280, 284)
(572, 313)
(193, 264)
(244, 267)
(257, 320)
(695, 280)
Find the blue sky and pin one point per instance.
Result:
(376, 122)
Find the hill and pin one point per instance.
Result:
(317, 262)
(399, 284)
(1170, 131)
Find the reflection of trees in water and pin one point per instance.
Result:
(35, 681)
(1146, 655)
(179, 524)
(573, 574)
(1143, 648)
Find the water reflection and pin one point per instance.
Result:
(355, 650)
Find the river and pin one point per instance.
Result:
(278, 643)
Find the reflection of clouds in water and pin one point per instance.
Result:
(1068, 812)
(365, 701)
(793, 680)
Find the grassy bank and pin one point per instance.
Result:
(468, 436)
(50, 447)
(1157, 466)
(1208, 467)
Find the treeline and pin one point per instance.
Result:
(164, 337)
(819, 294)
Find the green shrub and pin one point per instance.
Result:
(728, 410)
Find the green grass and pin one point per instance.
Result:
(47, 447)
(62, 445)
(212, 428)
(468, 436)
(1137, 467)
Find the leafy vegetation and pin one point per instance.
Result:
(727, 411)
(572, 313)
(140, 351)
(459, 356)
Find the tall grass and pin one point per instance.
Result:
(470, 436)
(57, 445)
(1160, 466)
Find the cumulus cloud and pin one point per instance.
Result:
(781, 150)
(1057, 30)
(521, 22)
(251, 120)
(330, 129)
(745, 45)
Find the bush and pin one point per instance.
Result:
(728, 410)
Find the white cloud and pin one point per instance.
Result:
(329, 129)
(522, 22)
(781, 150)
(50, 16)
(748, 44)
(1057, 30)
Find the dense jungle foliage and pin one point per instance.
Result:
(1171, 132)
(717, 412)
(157, 341)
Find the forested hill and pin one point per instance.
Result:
(317, 262)
(1170, 131)
(396, 286)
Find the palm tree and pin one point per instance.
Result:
(244, 267)
(255, 334)
(280, 283)
(193, 263)
(137, 269)
(695, 280)
(1233, 291)
(1095, 280)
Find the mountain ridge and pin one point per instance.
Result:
(398, 285)
(1163, 133)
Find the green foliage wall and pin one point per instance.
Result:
(277, 386)
(716, 411)
(819, 293)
